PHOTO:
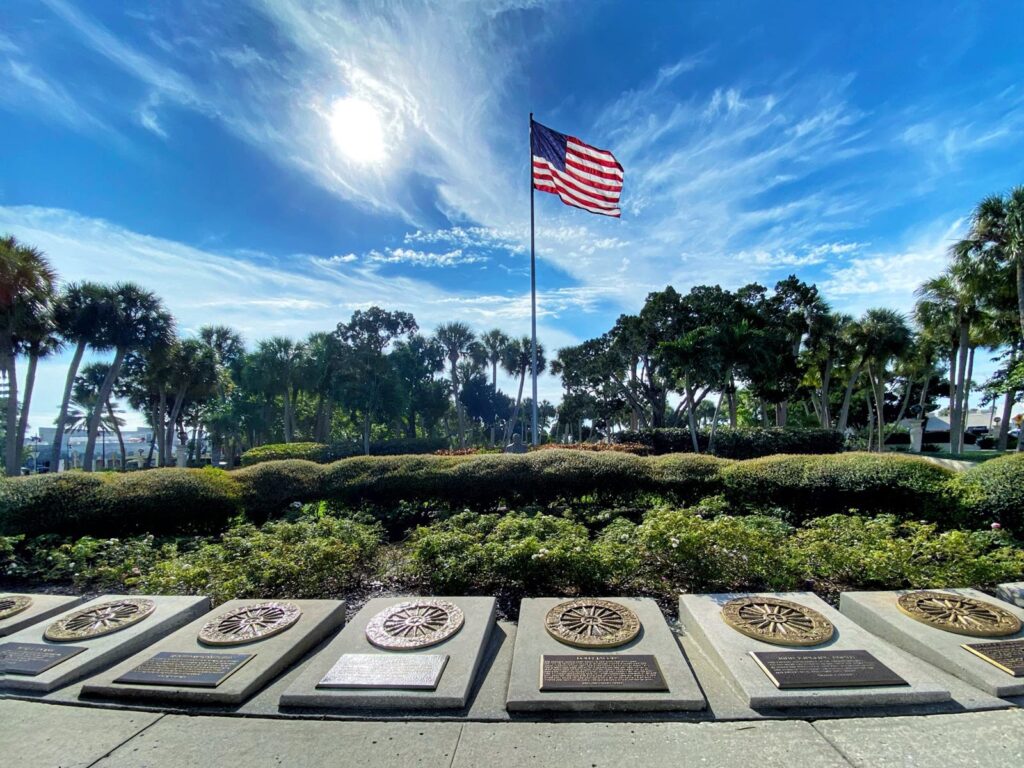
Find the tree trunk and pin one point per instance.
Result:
(458, 403)
(965, 408)
(1004, 423)
(26, 402)
(10, 368)
(97, 412)
(906, 401)
(1020, 291)
(714, 423)
(120, 437)
(826, 383)
(62, 415)
(844, 412)
(366, 433)
(955, 414)
(691, 418)
(172, 419)
(159, 428)
(515, 410)
(781, 413)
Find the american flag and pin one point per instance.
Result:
(582, 175)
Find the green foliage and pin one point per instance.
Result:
(158, 501)
(742, 443)
(88, 563)
(993, 491)
(491, 553)
(312, 558)
(324, 454)
(849, 552)
(317, 452)
(267, 489)
(814, 486)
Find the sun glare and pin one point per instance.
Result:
(356, 130)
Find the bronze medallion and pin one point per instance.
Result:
(414, 624)
(11, 605)
(249, 623)
(592, 623)
(100, 620)
(959, 614)
(777, 621)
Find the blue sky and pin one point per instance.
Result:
(205, 149)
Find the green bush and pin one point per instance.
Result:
(742, 443)
(324, 454)
(993, 491)
(267, 489)
(313, 558)
(805, 487)
(156, 501)
(541, 554)
(317, 452)
(841, 552)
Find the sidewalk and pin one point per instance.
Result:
(42, 735)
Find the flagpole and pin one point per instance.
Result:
(533, 295)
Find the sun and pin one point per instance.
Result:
(357, 131)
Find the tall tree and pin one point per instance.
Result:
(37, 339)
(81, 315)
(457, 339)
(885, 337)
(26, 290)
(138, 321)
(517, 362)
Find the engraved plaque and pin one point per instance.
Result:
(777, 621)
(601, 672)
(825, 669)
(414, 624)
(1008, 655)
(420, 672)
(12, 605)
(959, 614)
(250, 623)
(592, 623)
(34, 658)
(188, 670)
(100, 620)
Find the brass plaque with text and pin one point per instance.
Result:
(188, 670)
(1007, 655)
(825, 669)
(34, 658)
(601, 672)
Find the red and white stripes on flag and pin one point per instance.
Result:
(581, 175)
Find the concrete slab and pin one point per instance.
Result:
(178, 741)
(1012, 593)
(34, 735)
(42, 607)
(651, 745)
(533, 641)
(465, 650)
(273, 655)
(877, 612)
(989, 739)
(729, 651)
(171, 612)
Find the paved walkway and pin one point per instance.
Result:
(43, 735)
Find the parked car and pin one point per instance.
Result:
(979, 431)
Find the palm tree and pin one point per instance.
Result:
(997, 233)
(86, 393)
(885, 337)
(494, 343)
(138, 321)
(26, 290)
(457, 339)
(193, 373)
(274, 366)
(517, 361)
(80, 315)
(37, 339)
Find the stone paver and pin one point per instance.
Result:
(48, 735)
(179, 741)
(989, 739)
(651, 745)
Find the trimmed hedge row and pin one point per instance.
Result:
(745, 443)
(397, 489)
(322, 453)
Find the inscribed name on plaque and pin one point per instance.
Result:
(825, 669)
(389, 671)
(34, 658)
(601, 672)
(188, 670)
(1007, 655)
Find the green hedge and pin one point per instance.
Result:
(744, 443)
(157, 501)
(993, 491)
(805, 487)
(405, 490)
(324, 454)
